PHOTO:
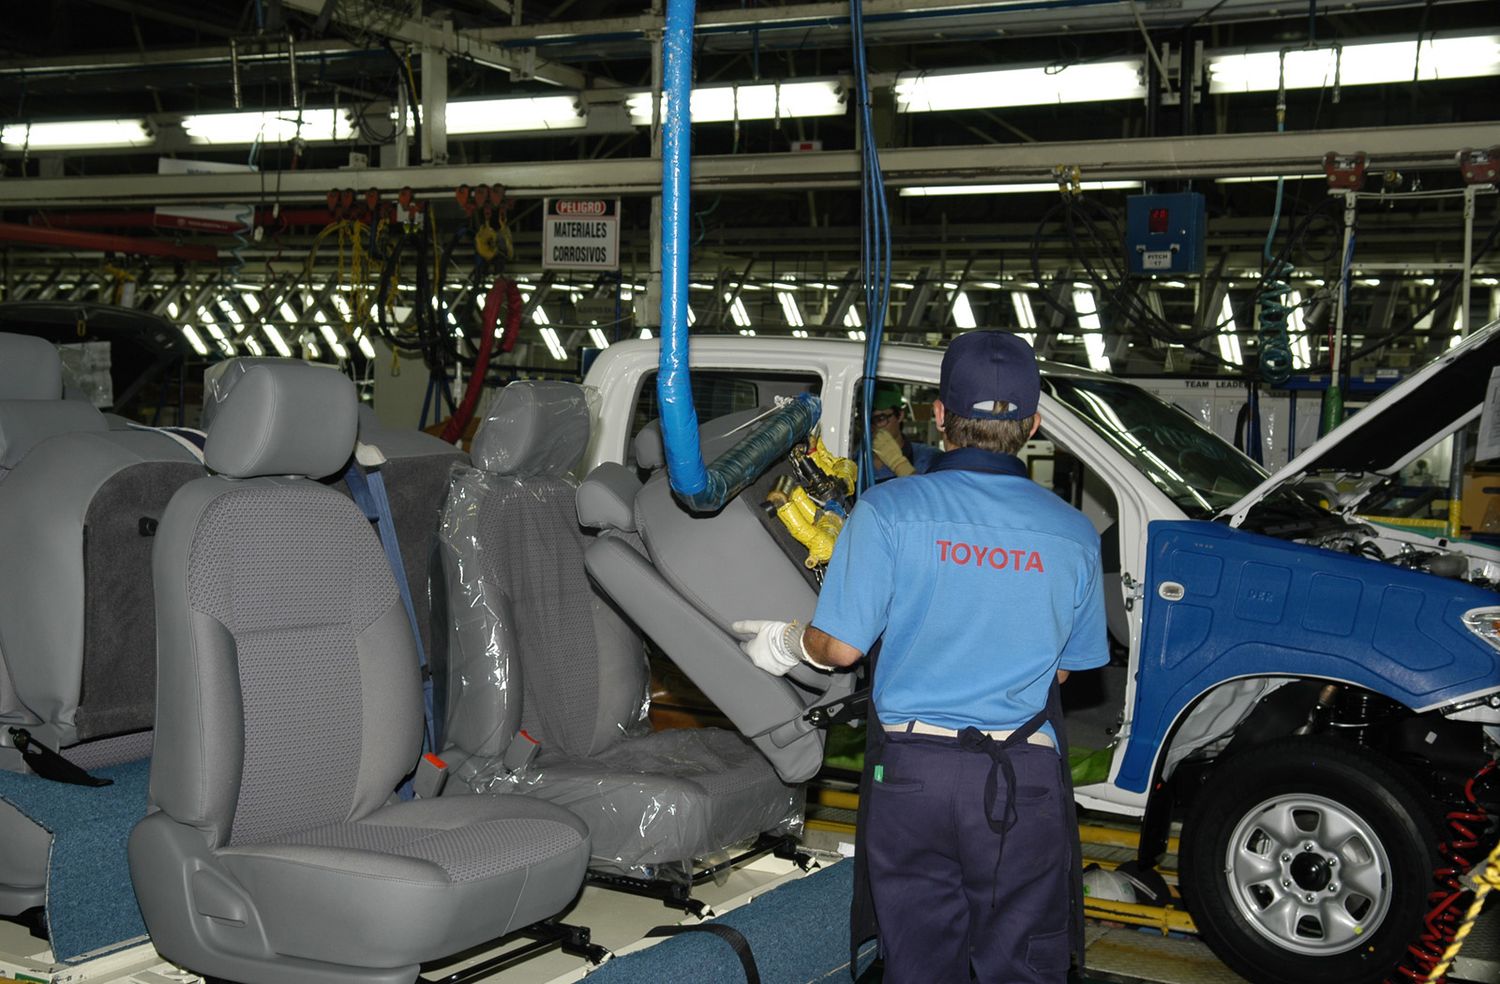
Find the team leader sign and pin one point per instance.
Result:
(581, 234)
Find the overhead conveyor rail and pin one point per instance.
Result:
(1221, 155)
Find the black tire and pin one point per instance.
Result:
(1247, 885)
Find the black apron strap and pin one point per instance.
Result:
(1054, 712)
(863, 925)
(728, 934)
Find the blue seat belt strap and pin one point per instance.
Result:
(368, 491)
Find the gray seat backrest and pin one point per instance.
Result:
(32, 404)
(532, 644)
(763, 582)
(77, 635)
(686, 595)
(282, 639)
(415, 473)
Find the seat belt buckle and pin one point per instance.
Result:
(519, 753)
(432, 775)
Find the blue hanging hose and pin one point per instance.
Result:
(701, 488)
(875, 240)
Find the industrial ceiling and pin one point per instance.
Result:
(776, 200)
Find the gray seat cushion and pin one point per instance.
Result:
(668, 797)
(411, 880)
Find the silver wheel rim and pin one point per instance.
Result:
(1309, 874)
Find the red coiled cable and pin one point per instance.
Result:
(1444, 913)
(504, 290)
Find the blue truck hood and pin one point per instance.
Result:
(1223, 604)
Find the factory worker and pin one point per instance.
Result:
(982, 590)
(895, 454)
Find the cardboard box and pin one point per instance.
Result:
(1481, 503)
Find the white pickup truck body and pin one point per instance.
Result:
(1361, 662)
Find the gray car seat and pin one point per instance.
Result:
(534, 646)
(289, 708)
(63, 478)
(704, 572)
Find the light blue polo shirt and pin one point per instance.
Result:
(982, 583)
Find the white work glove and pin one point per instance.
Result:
(888, 450)
(773, 646)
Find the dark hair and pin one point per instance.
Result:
(1003, 436)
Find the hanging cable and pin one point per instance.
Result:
(875, 240)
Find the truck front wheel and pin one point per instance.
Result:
(1309, 859)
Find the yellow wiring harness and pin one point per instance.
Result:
(810, 525)
(1484, 882)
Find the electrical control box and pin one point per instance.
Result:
(1166, 234)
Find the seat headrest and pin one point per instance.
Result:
(30, 368)
(714, 438)
(606, 499)
(220, 379)
(533, 427)
(650, 452)
(284, 417)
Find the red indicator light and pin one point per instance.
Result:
(1158, 221)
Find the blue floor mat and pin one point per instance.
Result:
(91, 906)
(798, 933)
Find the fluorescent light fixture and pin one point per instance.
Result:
(646, 333)
(508, 115)
(172, 309)
(273, 127)
(251, 301)
(1025, 315)
(1301, 347)
(1431, 60)
(692, 319)
(76, 135)
(600, 341)
(1022, 188)
(856, 336)
(309, 343)
(754, 101)
(214, 330)
(255, 347)
(332, 338)
(230, 312)
(748, 331)
(282, 349)
(1258, 178)
(364, 344)
(789, 308)
(799, 333)
(288, 313)
(963, 314)
(554, 344)
(193, 340)
(1040, 85)
(851, 318)
(1087, 310)
(1229, 339)
(737, 310)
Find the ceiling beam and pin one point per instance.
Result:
(154, 12)
(1015, 16)
(522, 63)
(1404, 148)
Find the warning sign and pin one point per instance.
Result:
(581, 234)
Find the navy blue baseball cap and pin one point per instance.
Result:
(990, 375)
